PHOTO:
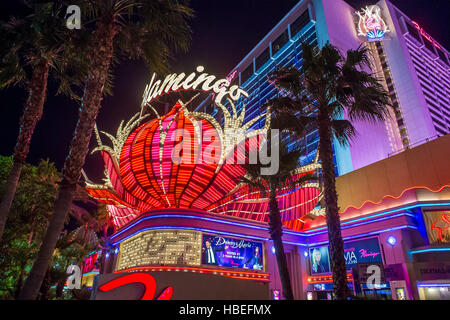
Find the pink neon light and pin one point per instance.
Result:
(425, 35)
(365, 254)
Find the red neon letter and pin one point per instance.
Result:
(146, 279)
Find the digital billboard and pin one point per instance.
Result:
(231, 252)
(358, 251)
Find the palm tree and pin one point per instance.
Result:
(316, 96)
(32, 50)
(287, 178)
(147, 29)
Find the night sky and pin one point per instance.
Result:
(224, 31)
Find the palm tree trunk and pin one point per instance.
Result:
(275, 229)
(19, 282)
(337, 260)
(100, 55)
(31, 115)
(45, 287)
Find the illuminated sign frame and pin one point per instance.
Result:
(365, 254)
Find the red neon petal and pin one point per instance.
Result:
(144, 278)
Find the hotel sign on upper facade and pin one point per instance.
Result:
(371, 25)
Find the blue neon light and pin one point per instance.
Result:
(191, 228)
(260, 238)
(429, 250)
(391, 240)
(296, 233)
(377, 35)
(190, 217)
(387, 212)
(433, 284)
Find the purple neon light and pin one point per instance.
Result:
(367, 234)
(189, 217)
(260, 238)
(306, 233)
(433, 285)
(368, 222)
(191, 228)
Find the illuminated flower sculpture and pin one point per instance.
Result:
(180, 160)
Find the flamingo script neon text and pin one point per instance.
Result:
(195, 81)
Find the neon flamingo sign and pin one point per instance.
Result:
(370, 24)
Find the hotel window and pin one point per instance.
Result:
(280, 42)
(428, 96)
(439, 131)
(437, 122)
(300, 23)
(433, 112)
(436, 87)
(262, 58)
(446, 108)
(247, 73)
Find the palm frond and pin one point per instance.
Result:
(343, 130)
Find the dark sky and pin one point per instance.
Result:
(224, 31)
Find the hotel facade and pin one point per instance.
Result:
(393, 182)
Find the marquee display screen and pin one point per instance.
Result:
(160, 247)
(359, 251)
(231, 252)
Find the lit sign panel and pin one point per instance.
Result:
(231, 252)
(370, 23)
(359, 251)
(161, 247)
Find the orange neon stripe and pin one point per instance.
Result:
(394, 197)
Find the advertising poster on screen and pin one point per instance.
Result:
(358, 251)
(231, 252)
